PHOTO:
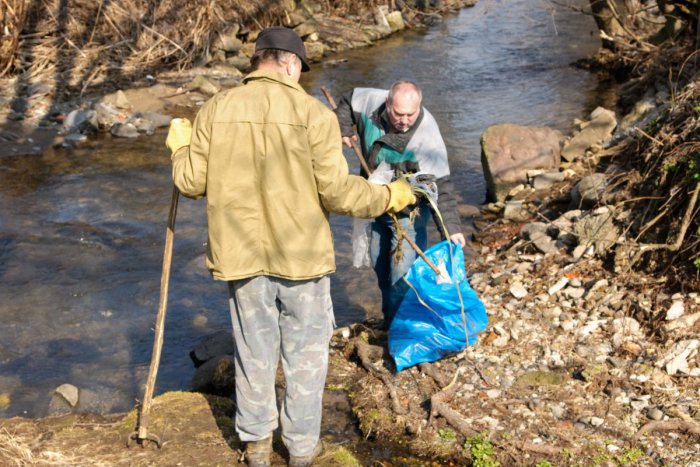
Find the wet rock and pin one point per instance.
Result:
(74, 139)
(158, 120)
(205, 85)
(80, 121)
(143, 125)
(69, 393)
(509, 151)
(219, 343)
(216, 376)
(315, 51)
(124, 130)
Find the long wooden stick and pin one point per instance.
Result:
(141, 435)
(355, 147)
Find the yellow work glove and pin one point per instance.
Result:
(179, 134)
(400, 195)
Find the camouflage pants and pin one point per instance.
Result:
(294, 319)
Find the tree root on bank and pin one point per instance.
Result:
(669, 425)
(429, 369)
(367, 353)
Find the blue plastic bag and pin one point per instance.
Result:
(429, 323)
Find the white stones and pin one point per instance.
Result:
(675, 311)
(518, 290)
(677, 359)
(561, 283)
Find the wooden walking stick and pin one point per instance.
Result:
(141, 434)
(367, 170)
(355, 147)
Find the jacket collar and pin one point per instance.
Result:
(272, 76)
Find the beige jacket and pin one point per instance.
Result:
(268, 157)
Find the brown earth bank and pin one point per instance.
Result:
(591, 354)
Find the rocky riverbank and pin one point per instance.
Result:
(586, 269)
(50, 104)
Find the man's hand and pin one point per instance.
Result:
(400, 195)
(179, 134)
(348, 140)
(459, 239)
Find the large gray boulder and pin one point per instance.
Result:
(509, 151)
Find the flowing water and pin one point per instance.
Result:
(81, 232)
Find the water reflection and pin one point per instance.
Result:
(81, 232)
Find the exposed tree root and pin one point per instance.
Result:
(368, 353)
(669, 425)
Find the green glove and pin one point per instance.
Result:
(179, 134)
(400, 195)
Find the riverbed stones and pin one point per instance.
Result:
(509, 151)
(596, 131)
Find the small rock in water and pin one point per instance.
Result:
(69, 392)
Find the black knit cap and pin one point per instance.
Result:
(279, 37)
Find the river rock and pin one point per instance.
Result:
(306, 28)
(205, 85)
(516, 211)
(598, 230)
(159, 120)
(227, 40)
(121, 101)
(80, 121)
(675, 311)
(596, 131)
(509, 151)
(676, 360)
(547, 180)
(219, 343)
(684, 322)
(124, 130)
(239, 62)
(314, 51)
(588, 191)
(216, 376)
(70, 393)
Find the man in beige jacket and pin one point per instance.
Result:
(268, 158)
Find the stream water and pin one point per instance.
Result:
(82, 231)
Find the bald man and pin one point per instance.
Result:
(397, 132)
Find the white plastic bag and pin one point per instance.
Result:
(361, 227)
